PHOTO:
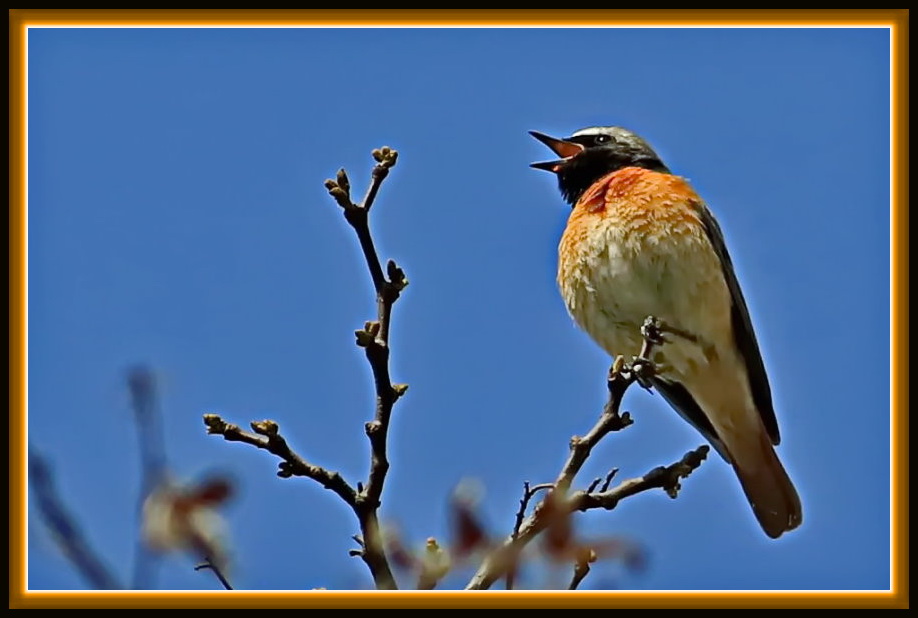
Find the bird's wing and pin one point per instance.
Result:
(743, 334)
(681, 400)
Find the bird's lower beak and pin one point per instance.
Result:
(560, 147)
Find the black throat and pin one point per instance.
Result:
(580, 172)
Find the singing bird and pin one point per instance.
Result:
(640, 242)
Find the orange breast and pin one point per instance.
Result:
(635, 245)
(641, 200)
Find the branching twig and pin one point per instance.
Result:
(528, 493)
(209, 564)
(621, 376)
(502, 558)
(65, 528)
(267, 436)
(605, 482)
(664, 477)
(374, 338)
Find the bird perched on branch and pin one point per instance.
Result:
(640, 242)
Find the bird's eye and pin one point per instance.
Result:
(601, 139)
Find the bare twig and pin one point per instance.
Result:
(75, 547)
(209, 564)
(663, 477)
(605, 482)
(358, 214)
(608, 480)
(374, 338)
(267, 436)
(497, 562)
(528, 493)
(621, 376)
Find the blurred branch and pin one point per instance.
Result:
(374, 339)
(581, 567)
(64, 527)
(209, 564)
(435, 565)
(622, 375)
(151, 448)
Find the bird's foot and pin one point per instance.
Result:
(639, 370)
(652, 330)
(655, 331)
(642, 370)
(617, 368)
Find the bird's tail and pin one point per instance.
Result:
(767, 486)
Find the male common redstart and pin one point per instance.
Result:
(640, 242)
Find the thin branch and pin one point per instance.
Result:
(604, 481)
(608, 479)
(74, 546)
(528, 493)
(374, 338)
(358, 214)
(267, 436)
(209, 564)
(621, 376)
(665, 477)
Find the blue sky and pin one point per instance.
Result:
(177, 218)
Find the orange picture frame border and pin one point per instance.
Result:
(895, 19)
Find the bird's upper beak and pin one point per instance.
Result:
(563, 148)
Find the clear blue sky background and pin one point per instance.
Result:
(177, 217)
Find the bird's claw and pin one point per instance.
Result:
(618, 366)
(642, 370)
(652, 330)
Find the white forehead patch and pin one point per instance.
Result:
(616, 132)
(596, 131)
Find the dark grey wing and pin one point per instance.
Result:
(682, 402)
(743, 334)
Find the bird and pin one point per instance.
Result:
(641, 242)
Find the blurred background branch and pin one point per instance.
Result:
(151, 449)
(64, 527)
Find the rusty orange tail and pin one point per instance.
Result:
(769, 489)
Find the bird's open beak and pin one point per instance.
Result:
(564, 149)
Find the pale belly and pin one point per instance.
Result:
(612, 279)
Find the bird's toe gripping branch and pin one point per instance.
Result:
(652, 330)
